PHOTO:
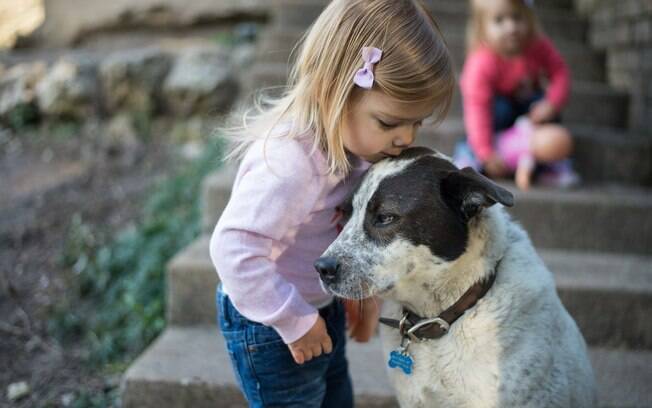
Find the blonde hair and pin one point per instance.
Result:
(415, 67)
(475, 30)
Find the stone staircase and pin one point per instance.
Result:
(597, 240)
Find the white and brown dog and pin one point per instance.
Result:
(476, 318)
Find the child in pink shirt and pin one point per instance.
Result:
(502, 81)
(368, 73)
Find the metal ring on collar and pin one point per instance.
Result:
(441, 322)
(401, 324)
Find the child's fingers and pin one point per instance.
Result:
(327, 345)
(297, 355)
(316, 350)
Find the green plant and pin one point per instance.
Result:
(22, 117)
(87, 399)
(118, 307)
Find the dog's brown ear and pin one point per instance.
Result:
(470, 192)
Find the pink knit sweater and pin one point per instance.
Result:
(487, 73)
(280, 218)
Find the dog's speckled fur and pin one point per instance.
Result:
(517, 347)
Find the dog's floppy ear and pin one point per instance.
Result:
(469, 192)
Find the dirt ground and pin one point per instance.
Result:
(44, 181)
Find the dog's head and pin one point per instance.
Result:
(411, 213)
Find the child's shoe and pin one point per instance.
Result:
(559, 175)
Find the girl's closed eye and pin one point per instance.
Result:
(386, 125)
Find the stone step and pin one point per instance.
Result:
(276, 44)
(610, 296)
(540, 4)
(590, 102)
(601, 154)
(451, 15)
(190, 367)
(602, 217)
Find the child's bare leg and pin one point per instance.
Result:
(523, 174)
(551, 143)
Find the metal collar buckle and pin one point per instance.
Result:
(401, 324)
(441, 322)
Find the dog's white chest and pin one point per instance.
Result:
(456, 370)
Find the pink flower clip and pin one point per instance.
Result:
(364, 78)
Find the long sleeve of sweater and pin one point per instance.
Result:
(477, 85)
(274, 192)
(556, 71)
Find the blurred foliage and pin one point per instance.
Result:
(63, 129)
(22, 117)
(118, 283)
(240, 34)
(87, 399)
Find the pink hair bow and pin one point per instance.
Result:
(364, 78)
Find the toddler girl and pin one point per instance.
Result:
(502, 81)
(367, 74)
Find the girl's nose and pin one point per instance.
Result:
(405, 138)
(510, 25)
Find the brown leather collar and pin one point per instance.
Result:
(418, 328)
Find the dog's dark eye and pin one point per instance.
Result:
(384, 219)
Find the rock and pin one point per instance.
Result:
(120, 141)
(69, 22)
(68, 90)
(17, 89)
(190, 130)
(19, 18)
(201, 81)
(243, 57)
(131, 79)
(67, 399)
(17, 391)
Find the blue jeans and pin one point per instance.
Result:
(266, 371)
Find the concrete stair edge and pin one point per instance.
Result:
(190, 367)
(556, 22)
(594, 103)
(554, 218)
(601, 155)
(585, 64)
(610, 296)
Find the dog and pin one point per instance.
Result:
(473, 316)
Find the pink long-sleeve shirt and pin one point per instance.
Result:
(486, 73)
(280, 218)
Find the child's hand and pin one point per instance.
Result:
(542, 111)
(312, 344)
(495, 167)
(362, 318)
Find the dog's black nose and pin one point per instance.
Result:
(327, 268)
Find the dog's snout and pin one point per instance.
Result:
(327, 268)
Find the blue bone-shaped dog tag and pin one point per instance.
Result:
(401, 360)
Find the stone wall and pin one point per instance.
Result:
(68, 22)
(623, 29)
(19, 18)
